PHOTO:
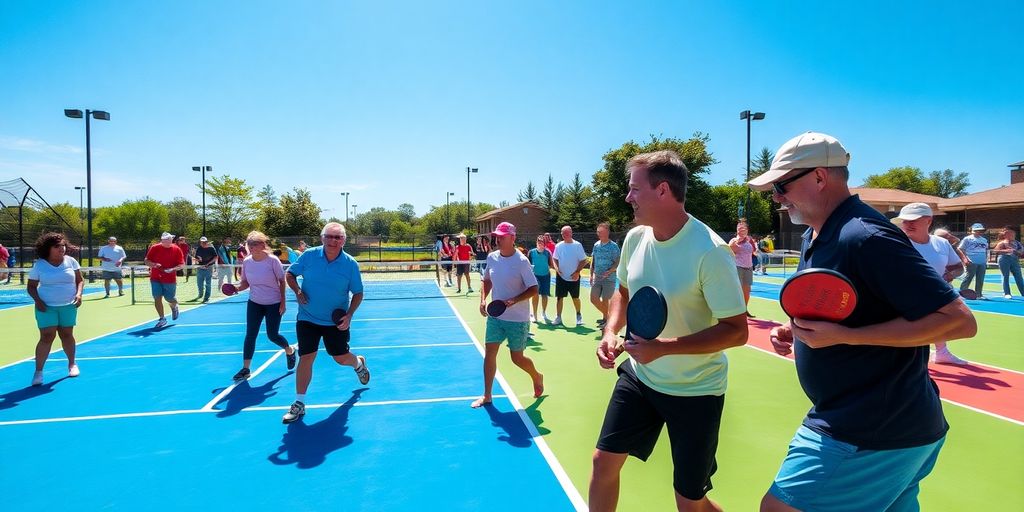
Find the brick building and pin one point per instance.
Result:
(528, 217)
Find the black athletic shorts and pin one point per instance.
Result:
(309, 334)
(633, 422)
(563, 288)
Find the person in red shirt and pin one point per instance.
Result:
(182, 242)
(463, 252)
(549, 244)
(163, 260)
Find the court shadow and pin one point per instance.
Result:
(307, 446)
(12, 399)
(514, 432)
(149, 331)
(978, 382)
(534, 345)
(533, 411)
(244, 395)
(762, 324)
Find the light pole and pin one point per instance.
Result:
(469, 221)
(346, 206)
(203, 169)
(448, 212)
(103, 116)
(354, 209)
(748, 116)
(81, 212)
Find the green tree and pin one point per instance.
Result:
(907, 178)
(528, 194)
(435, 221)
(550, 199)
(610, 184)
(135, 220)
(231, 209)
(399, 230)
(407, 212)
(575, 207)
(948, 183)
(295, 215)
(727, 200)
(761, 163)
(184, 218)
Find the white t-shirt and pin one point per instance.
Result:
(115, 253)
(938, 252)
(56, 283)
(975, 248)
(696, 272)
(509, 276)
(569, 255)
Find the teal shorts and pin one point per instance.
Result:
(515, 332)
(57, 316)
(822, 473)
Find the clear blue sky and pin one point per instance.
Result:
(392, 100)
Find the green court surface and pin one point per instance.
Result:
(980, 467)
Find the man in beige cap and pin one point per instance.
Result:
(875, 426)
(915, 219)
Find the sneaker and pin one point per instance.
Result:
(947, 357)
(1008, 296)
(601, 322)
(362, 371)
(37, 379)
(296, 411)
(242, 374)
(546, 319)
(73, 371)
(558, 320)
(205, 301)
(533, 318)
(120, 294)
(174, 312)
(107, 296)
(529, 334)
(982, 297)
(160, 324)
(470, 290)
(579, 320)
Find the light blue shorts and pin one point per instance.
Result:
(821, 473)
(515, 332)
(57, 316)
(165, 290)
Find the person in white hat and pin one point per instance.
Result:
(975, 247)
(915, 219)
(508, 276)
(163, 260)
(875, 427)
(206, 258)
(111, 258)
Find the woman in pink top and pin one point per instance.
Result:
(263, 274)
(742, 249)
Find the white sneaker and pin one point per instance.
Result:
(947, 357)
(579, 320)
(558, 320)
(37, 379)
(1007, 296)
(982, 297)
(160, 324)
(73, 371)
(534, 318)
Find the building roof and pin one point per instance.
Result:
(1018, 164)
(498, 211)
(890, 198)
(1005, 196)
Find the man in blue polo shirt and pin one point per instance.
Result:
(875, 426)
(329, 275)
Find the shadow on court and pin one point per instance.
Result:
(307, 446)
(514, 431)
(244, 395)
(973, 380)
(149, 331)
(12, 399)
(533, 411)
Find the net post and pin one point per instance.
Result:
(131, 272)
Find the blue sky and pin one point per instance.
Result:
(392, 100)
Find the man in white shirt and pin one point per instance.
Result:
(111, 258)
(915, 219)
(570, 259)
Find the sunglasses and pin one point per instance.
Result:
(780, 186)
(334, 237)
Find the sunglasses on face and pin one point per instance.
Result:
(780, 186)
(334, 237)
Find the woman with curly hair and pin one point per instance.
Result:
(55, 284)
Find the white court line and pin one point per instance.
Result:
(247, 409)
(954, 402)
(230, 353)
(209, 405)
(563, 478)
(390, 319)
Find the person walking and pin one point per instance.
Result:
(55, 284)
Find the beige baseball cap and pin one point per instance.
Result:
(913, 211)
(805, 151)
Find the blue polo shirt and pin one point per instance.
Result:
(326, 284)
(874, 397)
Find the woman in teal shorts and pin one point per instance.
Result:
(55, 284)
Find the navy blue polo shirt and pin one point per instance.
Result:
(874, 397)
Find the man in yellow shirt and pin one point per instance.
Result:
(679, 379)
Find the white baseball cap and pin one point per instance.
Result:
(203, 239)
(913, 211)
(805, 151)
(166, 236)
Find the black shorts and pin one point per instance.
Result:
(309, 334)
(633, 423)
(563, 288)
(462, 270)
(447, 267)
